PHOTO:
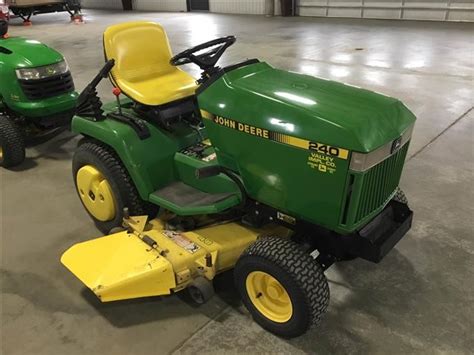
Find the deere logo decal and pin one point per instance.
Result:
(241, 127)
(397, 143)
(50, 71)
(277, 137)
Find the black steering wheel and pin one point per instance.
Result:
(208, 59)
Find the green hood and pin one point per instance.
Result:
(27, 53)
(315, 109)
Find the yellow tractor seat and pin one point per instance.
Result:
(142, 64)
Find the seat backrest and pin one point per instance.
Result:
(141, 51)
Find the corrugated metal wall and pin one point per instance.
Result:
(255, 7)
(160, 5)
(439, 10)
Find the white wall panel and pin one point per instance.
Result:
(390, 9)
(459, 15)
(416, 14)
(277, 7)
(102, 4)
(256, 7)
(160, 5)
(437, 10)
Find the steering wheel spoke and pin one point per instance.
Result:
(207, 59)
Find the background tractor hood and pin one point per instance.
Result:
(307, 107)
(27, 53)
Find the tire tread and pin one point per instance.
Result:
(307, 273)
(13, 143)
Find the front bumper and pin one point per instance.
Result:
(372, 242)
(61, 119)
(46, 107)
(380, 235)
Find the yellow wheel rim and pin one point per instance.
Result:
(1, 154)
(96, 193)
(269, 296)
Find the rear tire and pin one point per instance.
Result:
(102, 159)
(12, 143)
(284, 288)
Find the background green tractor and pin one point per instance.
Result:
(275, 174)
(37, 96)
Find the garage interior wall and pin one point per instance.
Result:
(160, 5)
(440, 10)
(102, 4)
(255, 7)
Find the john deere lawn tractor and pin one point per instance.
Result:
(274, 174)
(37, 95)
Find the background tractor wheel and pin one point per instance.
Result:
(283, 287)
(105, 187)
(400, 196)
(12, 143)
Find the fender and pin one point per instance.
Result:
(150, 168)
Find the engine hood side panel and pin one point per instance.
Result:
(290, 136)
(27, 53)
(307, 107)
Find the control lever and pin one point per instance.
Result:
(116, 91)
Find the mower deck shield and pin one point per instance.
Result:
(120, 266)
(158, 261)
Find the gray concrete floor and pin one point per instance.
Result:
(418, 300)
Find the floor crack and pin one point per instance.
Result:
(181, 344)
(441, 133)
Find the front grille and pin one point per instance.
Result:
(379, 182)
(48, 87)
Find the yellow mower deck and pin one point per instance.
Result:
(152, 261)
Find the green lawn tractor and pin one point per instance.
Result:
(274, 174)
(37, 95)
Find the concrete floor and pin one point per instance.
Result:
(418, 300)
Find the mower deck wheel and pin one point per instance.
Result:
(200, 290)
(283, 287)
(12, 143)
(105, 187)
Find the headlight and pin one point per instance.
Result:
(42, 72)
(364, 161)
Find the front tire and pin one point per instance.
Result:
(105, 188)
(400, 196)
(12, 143)
(284, 288)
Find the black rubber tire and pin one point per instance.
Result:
(12, 142)
(125, 193)
(200, 291)
(301, 276)
(400, 196)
